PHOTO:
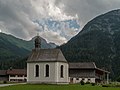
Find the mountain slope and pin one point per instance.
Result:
(99, 41)
(12, 47)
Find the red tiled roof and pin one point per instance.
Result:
(17, 72)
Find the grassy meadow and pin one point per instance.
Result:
(57, 87)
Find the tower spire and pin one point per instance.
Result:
(38, 38)
(38, 41)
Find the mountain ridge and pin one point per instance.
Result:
(99, 42)
(13, 48)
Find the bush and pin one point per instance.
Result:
(117, 85)
(82, 82)
(109, 85)
(118, 79)
(4, 82)
(105, 86)
(93, 84)
(87, 83)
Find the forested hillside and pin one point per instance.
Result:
(99, 42)
(12, 48)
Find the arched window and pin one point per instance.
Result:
(61, 69)
(36, 70)
(47, 71)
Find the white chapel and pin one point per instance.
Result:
(47, 66)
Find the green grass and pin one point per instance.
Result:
(57, 87)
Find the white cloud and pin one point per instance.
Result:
(47, 8)
(17, 16)
(88, 9)
(53, 37)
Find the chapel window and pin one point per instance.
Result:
(37, 71)
(47, 71)
(61, 69)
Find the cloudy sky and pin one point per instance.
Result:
(17, 17)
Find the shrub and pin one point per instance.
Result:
(87, 82)
(117, 85)
(105, 86)
(110, 85)
(82, 82)
(4, 82)
(93, 84)
(118, 79)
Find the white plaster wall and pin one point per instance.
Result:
(41, 78)
(78, 80)
(65, 78)
(74, 80)
(92, 80)
(54, 73)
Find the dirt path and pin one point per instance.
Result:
(4, 85)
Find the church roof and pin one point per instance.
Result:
(82, 65)
(46, 55)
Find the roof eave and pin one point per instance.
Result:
(45, 61)
(103, 70)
